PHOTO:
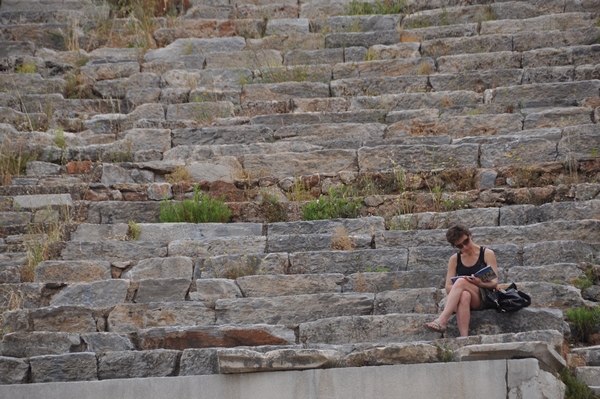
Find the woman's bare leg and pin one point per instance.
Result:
(463, 313)
(453, 299)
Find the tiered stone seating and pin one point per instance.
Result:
(485, 114)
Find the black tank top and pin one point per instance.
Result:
(462, 270)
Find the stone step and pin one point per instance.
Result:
(589, 375)
(562, 21)
(554, 94)
(410, 327)
(380, 68)
(591, 356)
(526, 41)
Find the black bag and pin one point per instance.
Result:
(507, 300)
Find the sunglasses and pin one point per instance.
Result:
(462, 244)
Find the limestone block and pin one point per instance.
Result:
(258, 59)
(549, 75)
(467, 45)
(146, 139)
(41, 200)
(468, 217)
(281, 285)
(407, 300)
(571, 37)
(28, 344)
(355, 226)
(285, 43)
(561, 21)
(31, 83)
(199, 112)
(173, 267)
(273, 11)
(134, 364)
(37, 168)
(314, 242)
(106, 341)
(139, 97)
(549, 252)
(362, 39)
(398, 50)
(162, 290)
(291, 310)
(75, 271)
(97, 70)
(347, 262)
(234, 361)
(210, 289)
(586, 54)
(115, 88)
(131, 317)
(411, 101)
(217, 246)
(362, 131)
(590, 354)
(378, 86)
(287, 26)
(548, 57)
(160, 191)
(192, 231)
(308, 57)
(549, 359)
(13, 371)
(363, 23)
(235, 265)
(564, 273)
(587, 72)
(357, 116)
(123, 212)
(301, 105)
(28, 295)
(199, 362)
(438, 32)
(478, 81)
(308, 73)
(96, 294)
(378, 280)
(284, 91)
(522, 151)
(589, 375)
(182, 47)
(558, 117)
(404, 353)
(245, 134)
(64, 319)
(59, 368)
(380, 68)
(577, 142)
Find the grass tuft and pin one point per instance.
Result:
(201, 209)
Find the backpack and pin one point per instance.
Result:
(507, 300)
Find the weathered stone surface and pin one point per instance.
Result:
(379, 281)
(218, 336)
(59, 368)
(287, 26)
(64, 319)
(106, 341)
(564, 273)
(97, 294)
(352, 226)
(37, 168)
(14, 218)
(181, 47)
(13, 371)
(405, 353)
(282, 285)
(323, 132)
(549, 359)
(543, 95)
(362, 39)
(162, 290)
(442, 220)
(122, 212)
(291, 310)
(542, 23)
(347, 262)
(203, 112)
(199, 362)
(217, 246)
(42, 200)
(521, 151)
(133, 364)
(316, 242)
(577, 142)
(233, 361)
(28, 344)
(114, 174)
(72, 271)
(550, 75)
(477, 81)
(114, 251)
(549, 252)
(417, 157)
(357, 116)
(558, 117)
(25, 295)
(244, 59)
(589, 375)
(552, 38)
(378, 86)
(590, 354)
(233, 266)
(284, 91)
(438, 32)
(415, 300)
(245, 134)
(154, 268)
(381, 68)
(96, 70)
(131, 317)
(467, 45)
(210, 289)
(285, 165)
(409, 101)
(273, 11)
(529, 214)
(363, 23)
(30, 83)
(398, 50)
(314, 57)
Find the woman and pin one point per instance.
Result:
(467, 293)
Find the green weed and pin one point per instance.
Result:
(584, 322)
(575, 388)
(272, 208)
(27, 67)
(371, 55)
(379, 7)
(13, 162)
(201, 209)
(376, 269)
(134, 231)
(330, 207)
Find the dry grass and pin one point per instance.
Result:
(341, 241)
(179, 174)
(13, 161)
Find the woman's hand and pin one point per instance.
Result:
(474, 280)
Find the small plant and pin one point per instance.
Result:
(13, 162)
(134, 230)
(341, 241)
(300, 191)
(332, 206)
(379, 7)
(584, 321)
(444, 354)
(273, 209)
(179, 174)
(201, 209)
(371, 55)
(575, 388)
(424, 69)
(376, 269)
(27, 67)
(488, 14)
(278, 74)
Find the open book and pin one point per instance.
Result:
(486, 274)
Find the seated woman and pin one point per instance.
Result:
(467, 293)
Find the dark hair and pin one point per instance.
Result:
(455, 232)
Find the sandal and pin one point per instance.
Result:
(435, 326)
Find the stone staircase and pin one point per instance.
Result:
(484, 113)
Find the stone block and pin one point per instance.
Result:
(477, 81)
(287, 26)
(137, 364)
(353, 226)
(199, 362)
(210, 289)
(160, 268)
(282, 285)
(25, 295)
(402, 353)
(315, 242)
(276, 121)
(181, 47)
(96, 294)
(412, 101)
(438, 32)
(377, 86)
(245, 134)
(467, 45)
(106, 341)
(549, 74)
(347, 262)
(37, 168)
(407, 300)
(72, 271)
(39, 343)
(13, 371)
(97, 70)
(235, 361)
(42, 200)
(60, 368)
(200, 112)
(561, 21)
(558, 117)
(217, 246)
(362, 39)
(564, 273)
(64, 319)
(378, 280)
(548, 57)
(162, 290)
(258, 59)
(232, 266)
(521, 151)
(380, 68)
(554, 38)
(549, 252)
(114, 251)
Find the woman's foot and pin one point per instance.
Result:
(435, 326)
